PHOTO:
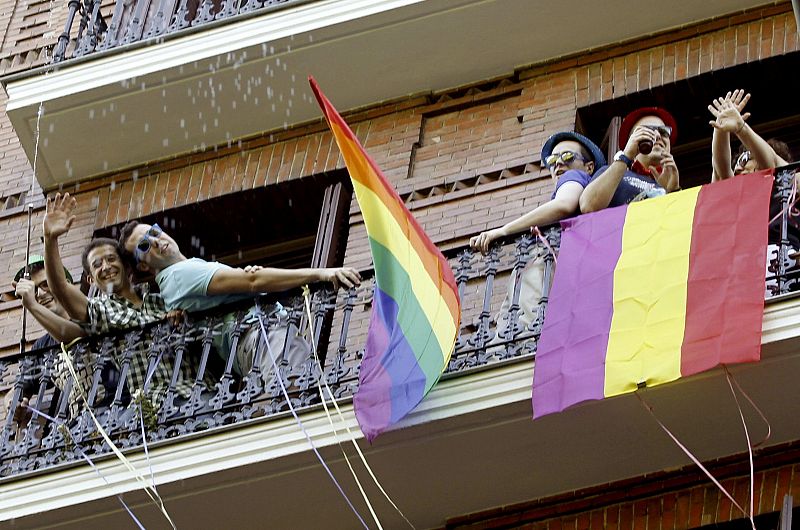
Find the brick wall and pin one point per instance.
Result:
(674, 500)
(455, 156)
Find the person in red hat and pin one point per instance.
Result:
(644, 168)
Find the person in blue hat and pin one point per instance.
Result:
(571, 158)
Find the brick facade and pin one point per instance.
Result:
(673, 500)
(455, 156)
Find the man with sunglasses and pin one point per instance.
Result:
(198, 285)
(570, 158)
(756, 153)
(119, 305)
(644, 168)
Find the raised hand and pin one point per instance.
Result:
(346, 276)
(727, 111)
(637, 135)
(59, 216)
(668, 176)
(26, 290)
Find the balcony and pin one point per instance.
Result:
(132, 96)
(474, 428)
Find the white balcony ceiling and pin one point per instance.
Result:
(470, 446)
(118, 110)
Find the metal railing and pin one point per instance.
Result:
(216, 393)
(504, 295)
(145, 20)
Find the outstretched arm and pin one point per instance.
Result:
(57, 221)
(60, 328)
(267, 279)
(564, 204)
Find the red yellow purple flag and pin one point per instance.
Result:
(653, 291)
(416, 310)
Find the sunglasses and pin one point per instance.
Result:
(664, 130)
(743, 159)
(143, 247)
(566, 157)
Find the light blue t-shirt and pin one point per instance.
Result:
(184, 285)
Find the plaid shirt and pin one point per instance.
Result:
(110, 312)
(114, 313)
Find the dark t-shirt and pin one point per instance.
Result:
(633, 187)
(45, 341)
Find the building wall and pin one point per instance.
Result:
(672, 500)
(456, 156)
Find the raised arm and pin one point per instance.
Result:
(564, 204)
(728, 119)
(57, 221)
(267, 279)
(60, 328)
(763, 153)
(720, 155)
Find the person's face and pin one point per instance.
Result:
(43, 295)
(153, 248)
(661, 146)
(106, 269)
(567, 154)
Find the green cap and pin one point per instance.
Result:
(35, 259)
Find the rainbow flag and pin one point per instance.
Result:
(416, 311)
(653, 291)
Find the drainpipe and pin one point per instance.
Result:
(796, 8)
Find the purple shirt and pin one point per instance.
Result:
(572, 175)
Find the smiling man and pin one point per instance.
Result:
(644, 168)
(35, 294)
(36, 297)
(118, 306)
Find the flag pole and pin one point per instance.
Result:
(27, 276)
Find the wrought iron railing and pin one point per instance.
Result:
(220, 396)
(145, 20)
(504, 295)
